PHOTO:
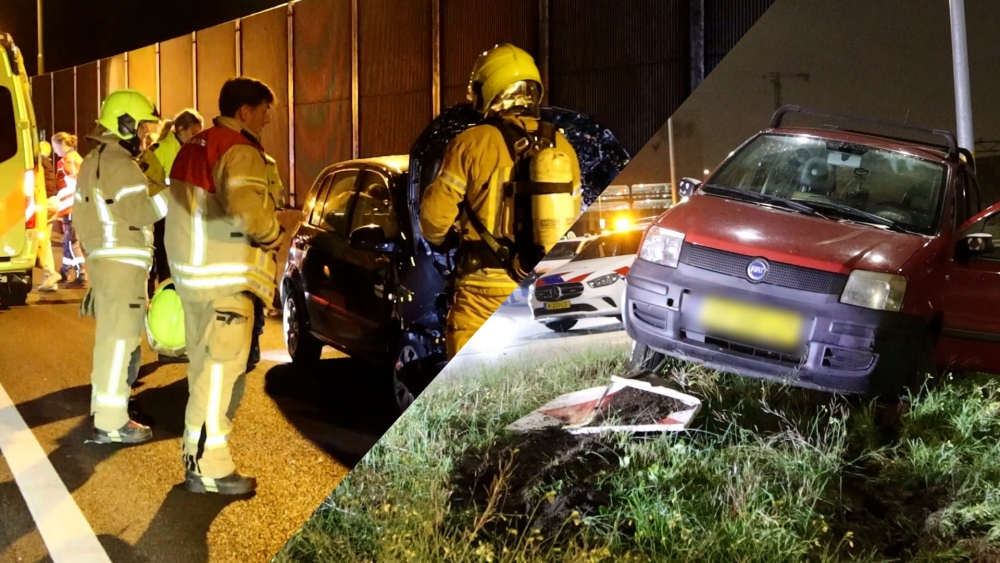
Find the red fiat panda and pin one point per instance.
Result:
(828, 258)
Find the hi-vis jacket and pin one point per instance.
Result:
(157, 161)
(67, 170)
(222, 227)
(113, 212)
(476, 166)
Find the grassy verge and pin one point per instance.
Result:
(767, 473)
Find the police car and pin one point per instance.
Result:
(561, 253)
(589, 285)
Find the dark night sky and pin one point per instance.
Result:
(870, 58)
(81, 31)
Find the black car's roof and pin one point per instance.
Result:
(396, 164)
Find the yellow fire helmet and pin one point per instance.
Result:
(505, 77)
(45, 149)
(165, 321)
(124, 110)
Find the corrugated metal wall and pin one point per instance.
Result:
(396, 48)
(726, 21)
(264, 56)
(41, 98)
(624, 62)
(87, 103)
(113, 74)
(176, 75)
(216, 63)
(65, 104)
(322, 87)
(469, 28)
(142, 71)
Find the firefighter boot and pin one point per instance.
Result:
(131, 433)
(232, 484)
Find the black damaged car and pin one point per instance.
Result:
(361, 278)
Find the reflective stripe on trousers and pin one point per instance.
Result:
(119, 295)
(218, 334)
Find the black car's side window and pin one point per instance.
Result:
(316, 211)
(374, 204)
(338, 199)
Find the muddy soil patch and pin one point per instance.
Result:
(631, 406)
(534, 480)
(888, 516)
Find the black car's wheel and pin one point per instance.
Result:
(644, 358)
(561, 326)
(14, 295)
(406, 370)
(302, 346)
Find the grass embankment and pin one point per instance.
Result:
(767, 473)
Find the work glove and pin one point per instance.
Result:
(87, 307)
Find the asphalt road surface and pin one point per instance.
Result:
(298, 433)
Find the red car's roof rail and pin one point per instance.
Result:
(952, 146)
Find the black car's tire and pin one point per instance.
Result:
(408, 352)
(14, 295)
(561, 326)
(644, 358)
(302, 346)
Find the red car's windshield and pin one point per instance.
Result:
(843, 181)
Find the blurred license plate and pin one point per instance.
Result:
(556, 306)
(752, 323)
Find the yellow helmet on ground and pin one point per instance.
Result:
(503, 78)
(165, 321)
(123, 111)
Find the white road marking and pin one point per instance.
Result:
(66, 533)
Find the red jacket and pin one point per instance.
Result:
(195, 163)
(67, 170)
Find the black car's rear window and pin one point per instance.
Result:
(8, 126)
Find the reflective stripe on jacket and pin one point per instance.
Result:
(114, 213)
(476, 165)
(220, 213)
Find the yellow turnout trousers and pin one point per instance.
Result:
(218, 334)
(118, 301)
(471, 307)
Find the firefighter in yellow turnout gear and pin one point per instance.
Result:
(477, 183)
(113, 215)
(221, 235)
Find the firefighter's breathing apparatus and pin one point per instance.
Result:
(537, 204)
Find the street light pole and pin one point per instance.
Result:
(960, 63)
(41, 59)
(673, 172)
